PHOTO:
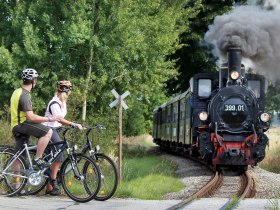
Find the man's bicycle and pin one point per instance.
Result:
(79, 174)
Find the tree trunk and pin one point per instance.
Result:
(84, 113)
(94, 31)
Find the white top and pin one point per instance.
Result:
(56, 111)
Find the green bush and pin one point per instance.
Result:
(6, 136)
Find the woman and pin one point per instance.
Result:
(57, 107)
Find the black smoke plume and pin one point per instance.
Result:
(256, 31)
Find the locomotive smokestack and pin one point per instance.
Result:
(234, 65)
(234, 59)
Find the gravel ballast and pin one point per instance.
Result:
(195, 176)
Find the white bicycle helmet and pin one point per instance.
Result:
(29, 74)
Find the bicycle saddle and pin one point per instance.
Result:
(21, 136)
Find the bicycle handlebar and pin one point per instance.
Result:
(98, 126)
(87, 128)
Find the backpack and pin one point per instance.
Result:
(53, 102)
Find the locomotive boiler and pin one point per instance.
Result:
(221, 118)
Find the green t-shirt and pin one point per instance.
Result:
(20, 102)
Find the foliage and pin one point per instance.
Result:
(273, 97)
(98, 45)
(136, 121)
(6, 133)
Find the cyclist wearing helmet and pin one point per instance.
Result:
(24, 122)
(57, 107)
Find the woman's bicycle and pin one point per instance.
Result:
(107, 167)
(79, 174)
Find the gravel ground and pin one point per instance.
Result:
(194, 176)
(267, 183)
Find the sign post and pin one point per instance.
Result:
(121, 104)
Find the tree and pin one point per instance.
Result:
(194, 56)
(98, 45)
(135, 125)
(273, 97)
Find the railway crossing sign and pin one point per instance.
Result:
(119, 99)
(122, 104)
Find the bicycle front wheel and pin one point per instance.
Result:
(109, 176)
(80, 183)
(12, 174)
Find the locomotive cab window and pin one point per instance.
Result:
(255, 86)
(204, 88)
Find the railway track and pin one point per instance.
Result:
(249, 186)
(224, 183)
(239, 184)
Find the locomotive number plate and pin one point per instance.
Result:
(234, 107)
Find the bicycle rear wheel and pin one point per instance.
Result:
(109, 176)
(80, 183)
(12, 173)
(28, 188)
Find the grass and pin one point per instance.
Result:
(271, 161)
(233, 203)
(137, 146)
(146, 176)
(273, 204)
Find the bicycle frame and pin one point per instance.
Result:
(16, 156)
(26, 148)
(65, 146)
(88, 145)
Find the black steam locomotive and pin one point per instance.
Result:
(221, 118)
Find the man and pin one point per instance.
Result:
(24, 122)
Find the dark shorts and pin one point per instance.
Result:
(23, 131)
(56, 138)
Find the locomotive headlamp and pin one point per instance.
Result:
(234, 75)
(265, 117)
(203, 116)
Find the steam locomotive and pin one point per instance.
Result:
(221, 118)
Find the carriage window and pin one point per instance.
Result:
(204, 87)
(255, 86)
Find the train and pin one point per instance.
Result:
(220, 118)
